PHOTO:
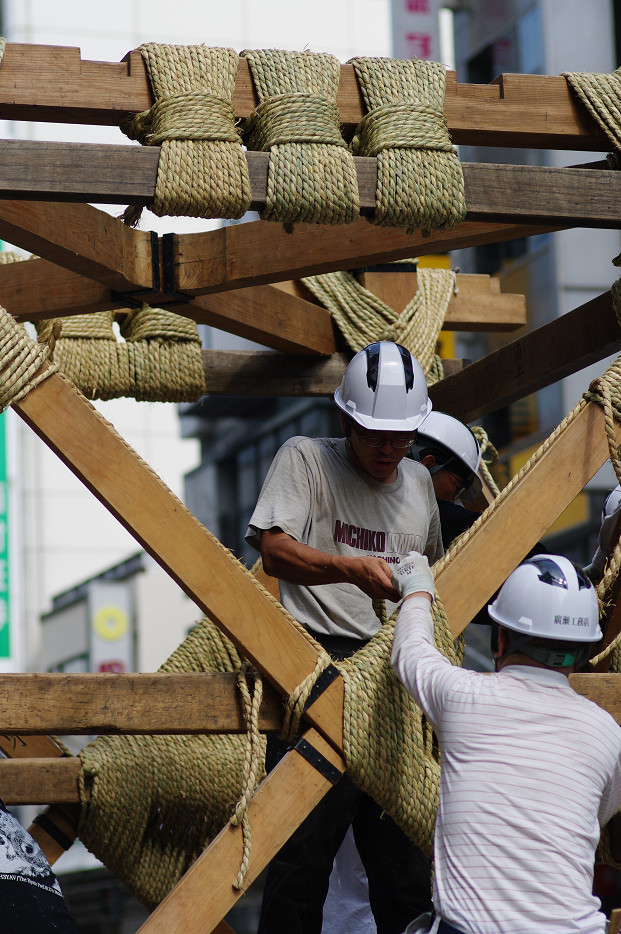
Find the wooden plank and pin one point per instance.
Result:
(133, 493)
(269, 316)
(603, 689)
(56, 829)
(40, 781)
(479, 305)
(540, 358)
(205, 893)
(242, 255)
(161, 703)
(81, 238)
(52, 83)
(127, 174)
(522, 518)
(263, 373)
(78, 172)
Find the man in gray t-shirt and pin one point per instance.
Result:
(333, 519)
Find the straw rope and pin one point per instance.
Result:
(160, 359)
(312, 175)
(419, 177)
(202, 170)
(601, 95)
(486, 447)
(362, 317)
(25, 363)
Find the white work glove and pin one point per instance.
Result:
(413, 575)
(595, 569)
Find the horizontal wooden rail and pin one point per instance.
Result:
(164, 703)
(127, 174)
(55, 781)
(52, 83)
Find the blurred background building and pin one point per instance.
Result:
(78, 594)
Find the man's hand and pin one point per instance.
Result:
(413, 575)
(373, 576)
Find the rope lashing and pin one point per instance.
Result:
(202, 170)
(601, 95)
(254, 763)
(486, 447)
(159, 361)
(25, 363)
(311, 175)
(362, 317)
(419, 178)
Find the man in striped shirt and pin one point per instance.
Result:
(530, 769)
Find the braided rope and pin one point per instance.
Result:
(486, 446)
(419, 177)
(601, 95)
(362, 317)
(160, 360)
(25, 363)
(311, 175)
(202, 170)
(254, 765)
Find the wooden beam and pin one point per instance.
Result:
(83, 239)
(263, 373)
(55, 781)
(242, 255)
(40, 781)
(603, 689)
(127, 174)
(540, 358)
(478, 305)
(52, 83)
(519, 521)
(133, 493)
(204, 894)
(162, 703)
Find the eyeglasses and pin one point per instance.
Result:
(372, 441)
(459, 482)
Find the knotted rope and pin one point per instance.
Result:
(25, 363)
(601, 95)
(160, 359)
(312, 175)
(486, 447)
(202, 170)
(362, 317)
(419, 177)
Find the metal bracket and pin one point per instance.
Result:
(169, 274)
(53, 831)
(325, 679)
(318, 761)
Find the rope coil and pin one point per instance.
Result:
(202, 170)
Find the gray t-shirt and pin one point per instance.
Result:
(314, 493)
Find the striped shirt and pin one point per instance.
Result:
(530, 771)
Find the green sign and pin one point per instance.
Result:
(5, 616)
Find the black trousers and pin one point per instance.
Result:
(298, 876)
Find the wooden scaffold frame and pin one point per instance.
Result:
(245, 279)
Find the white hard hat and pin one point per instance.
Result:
(551, 597)
(612, 503)
(384, 389)
(442, 429)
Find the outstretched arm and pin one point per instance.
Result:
(291, 561)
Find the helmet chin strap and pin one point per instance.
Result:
(549, 657)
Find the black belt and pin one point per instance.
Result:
(339, 647)
(445, 928)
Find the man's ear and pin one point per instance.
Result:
(501, 645)
(345, 425)
(429, 461)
